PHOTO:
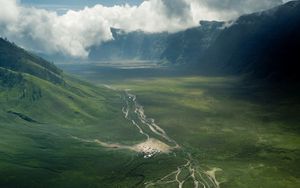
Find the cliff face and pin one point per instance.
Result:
(264, 44)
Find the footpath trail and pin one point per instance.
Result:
(134, 112)
(156, 142)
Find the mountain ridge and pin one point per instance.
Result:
(33, 90)
(262, 45)
(17, 59)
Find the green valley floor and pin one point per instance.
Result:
(151, 127)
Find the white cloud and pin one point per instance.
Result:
(8, 11)
(74, 32)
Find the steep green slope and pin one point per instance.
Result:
(46, 102)
(33, 90)
(17, 59)
(38, 93)
(41, 114)
(38, 123)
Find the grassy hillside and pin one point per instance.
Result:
(40, 114)
(34, 88)
(17, 59)
(54, 98)
(39, 121)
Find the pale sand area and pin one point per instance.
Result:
(148, 148)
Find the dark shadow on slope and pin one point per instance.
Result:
(23, 117)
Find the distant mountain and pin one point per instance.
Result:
(263, 44)
(134, 45)
(189, 45)
(174, 48)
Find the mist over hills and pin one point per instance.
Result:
(262, 44)
(133, 45)
(175, 48)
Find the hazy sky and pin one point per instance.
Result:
(76, 4)
(82, 2)
(72, 27)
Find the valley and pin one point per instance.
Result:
(123, 102)
(219, 145)
(158, 128)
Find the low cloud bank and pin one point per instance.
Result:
(74, 32)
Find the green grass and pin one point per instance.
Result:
(44, 154)
(249, 131)
(246, 131)
(214, 118)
